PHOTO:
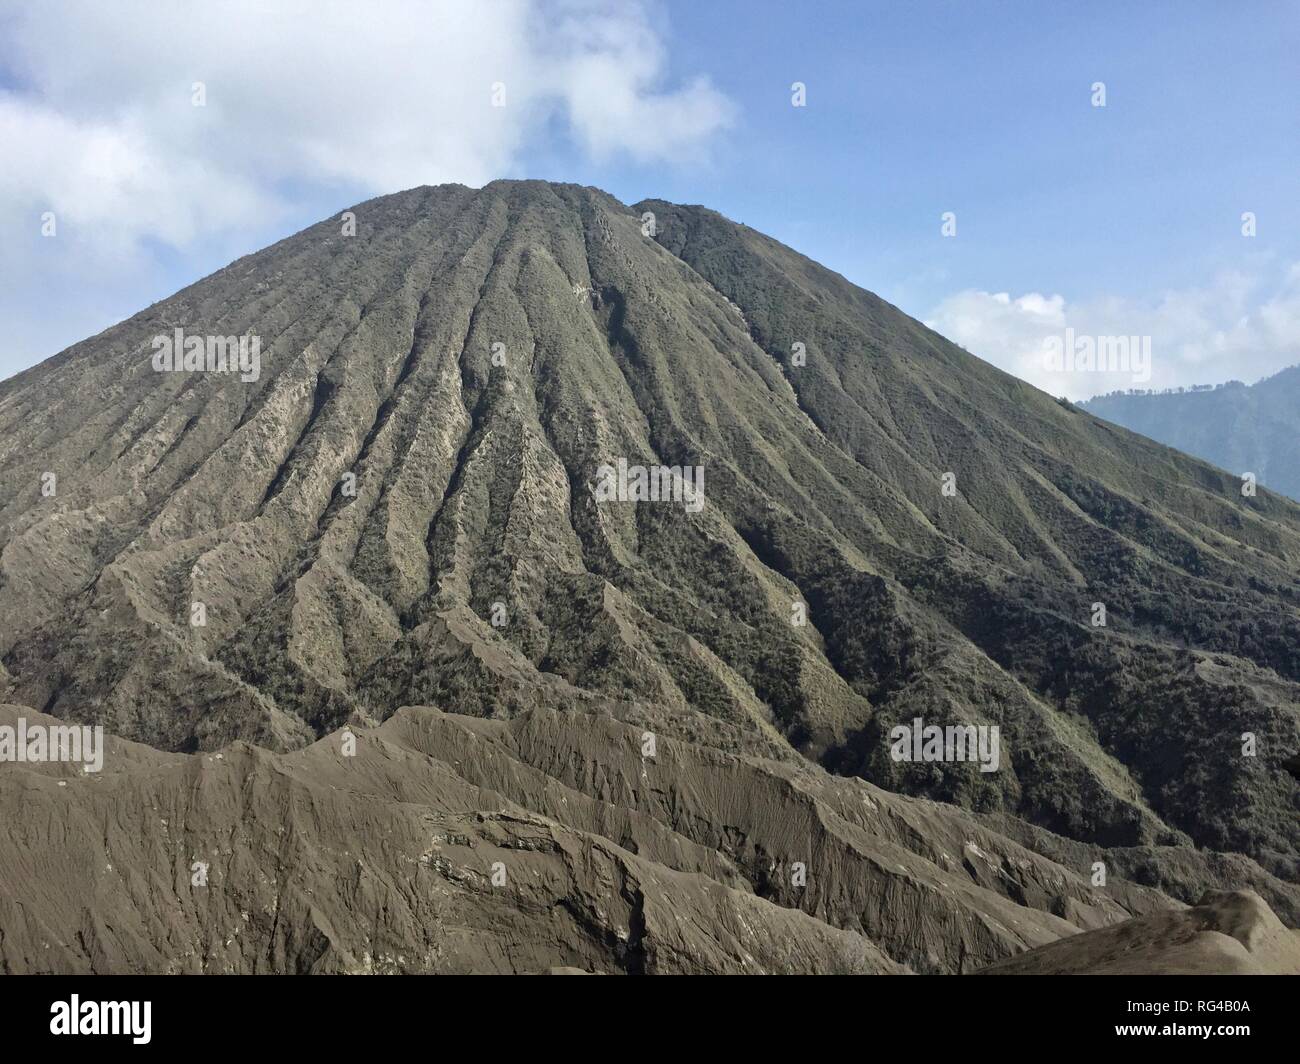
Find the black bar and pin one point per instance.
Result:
(544, 1014)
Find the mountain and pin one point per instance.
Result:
(396, 525)
(1241, 428)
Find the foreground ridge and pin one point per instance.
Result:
(441, 843)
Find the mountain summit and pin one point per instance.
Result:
(614, 475)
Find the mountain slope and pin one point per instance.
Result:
(1240, 428)
(474, 503)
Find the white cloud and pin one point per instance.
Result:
(379, 96)
(116, 178)
(1238, 326)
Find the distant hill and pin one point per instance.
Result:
(1244, 429)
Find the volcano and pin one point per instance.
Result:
(551, 595)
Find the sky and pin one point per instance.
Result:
(950, 156)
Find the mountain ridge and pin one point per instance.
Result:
(1242, 428)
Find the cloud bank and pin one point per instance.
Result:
(1238, 326)
(101, 109)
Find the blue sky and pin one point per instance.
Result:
(1123, 219)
